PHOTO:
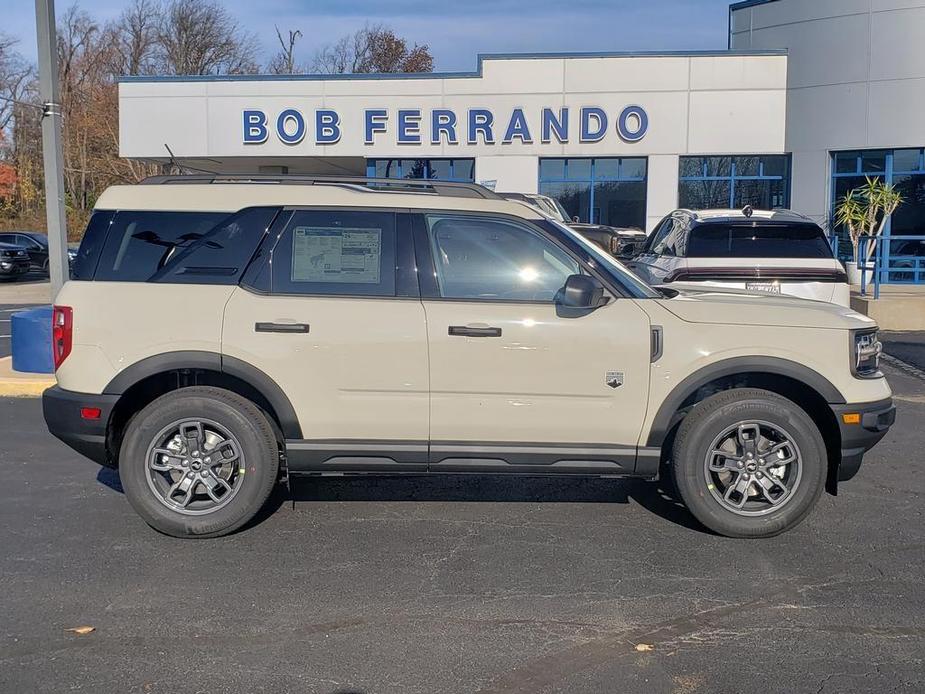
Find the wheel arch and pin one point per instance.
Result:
(807, 388)
(145, 380)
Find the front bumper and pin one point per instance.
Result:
(62, 410)
(874, 420)
(14, 268)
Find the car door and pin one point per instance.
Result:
(517, 382)
(37, 253)
(330, 311)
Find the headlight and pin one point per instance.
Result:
(866, 350)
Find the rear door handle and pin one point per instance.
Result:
(473, 331)
(281, 327)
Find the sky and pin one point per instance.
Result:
(455, 31)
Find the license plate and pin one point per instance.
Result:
(766, 287)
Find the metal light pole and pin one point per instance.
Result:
(51, 144)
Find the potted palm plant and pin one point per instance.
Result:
(864, 211)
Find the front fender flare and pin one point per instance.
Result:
(664, 418)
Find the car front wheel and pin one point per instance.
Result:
(749, 463)
(198, 462)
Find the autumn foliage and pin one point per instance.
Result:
(151, 37)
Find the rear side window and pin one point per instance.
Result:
(221, 254)
(180, 247)
(758, 241)
(339, 253)
(84, 265)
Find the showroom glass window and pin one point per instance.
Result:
(461, 170)
(905, 169)
(608, 191)
(762, 181)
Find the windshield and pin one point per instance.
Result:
(758, 241)
(636, 287)
(551, 207)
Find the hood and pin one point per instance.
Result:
(698, 304)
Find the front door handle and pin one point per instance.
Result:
(281, 327)
(473, 331)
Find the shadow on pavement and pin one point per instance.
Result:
(659, 498)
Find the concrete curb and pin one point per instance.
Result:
(21, 385)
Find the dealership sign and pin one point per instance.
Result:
(473, 126)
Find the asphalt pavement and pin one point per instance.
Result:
(459, 584)
(908, 346)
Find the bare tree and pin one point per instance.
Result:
(374, 48)
(135, 39)
(16, 76)
(284, 63)
(200, 37)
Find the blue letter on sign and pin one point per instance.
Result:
(327, 127)
(517, 127)
(559, 125)
(588, 135)
(443, 120)
(287, 116)
(409, 127)
(255, 127)
(633, 124)
(480, 121)
(375, 123)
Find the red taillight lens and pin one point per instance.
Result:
(62, 333)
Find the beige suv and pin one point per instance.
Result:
(222, 333)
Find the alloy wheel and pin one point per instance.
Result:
(753, 468)
(195, 466)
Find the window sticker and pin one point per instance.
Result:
(336, 254)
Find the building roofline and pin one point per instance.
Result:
(449, 75)
(745, 4)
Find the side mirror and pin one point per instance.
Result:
(575, 219)
(581, 291)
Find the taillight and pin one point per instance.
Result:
(62, 333)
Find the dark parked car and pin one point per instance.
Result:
(622, 242)
(36, 247)
(14, 261)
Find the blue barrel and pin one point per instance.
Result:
(31, 339)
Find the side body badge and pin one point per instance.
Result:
(614, 379)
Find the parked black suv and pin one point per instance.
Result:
(14, 261)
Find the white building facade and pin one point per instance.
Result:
(810, 97)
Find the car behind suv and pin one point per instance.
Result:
(221, 333)
(777, 252)
(620, 242)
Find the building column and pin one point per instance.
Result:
(662, 193)
(511, 174)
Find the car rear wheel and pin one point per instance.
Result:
(198, 462)
(749, 463)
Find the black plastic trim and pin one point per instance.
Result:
(856, 439)
(212, 361)
(61, 409)
(345, 455)
(730, 367)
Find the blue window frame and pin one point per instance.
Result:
(904, 261)
(759, 180)
(608, 190)
(461, 170)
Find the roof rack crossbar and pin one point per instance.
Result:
(445, 188)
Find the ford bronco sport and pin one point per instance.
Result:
(221, 333)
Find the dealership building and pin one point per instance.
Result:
(810, 97)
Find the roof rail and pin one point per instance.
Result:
(391, 185)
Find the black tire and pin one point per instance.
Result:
(717, 414)
(242, 419)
